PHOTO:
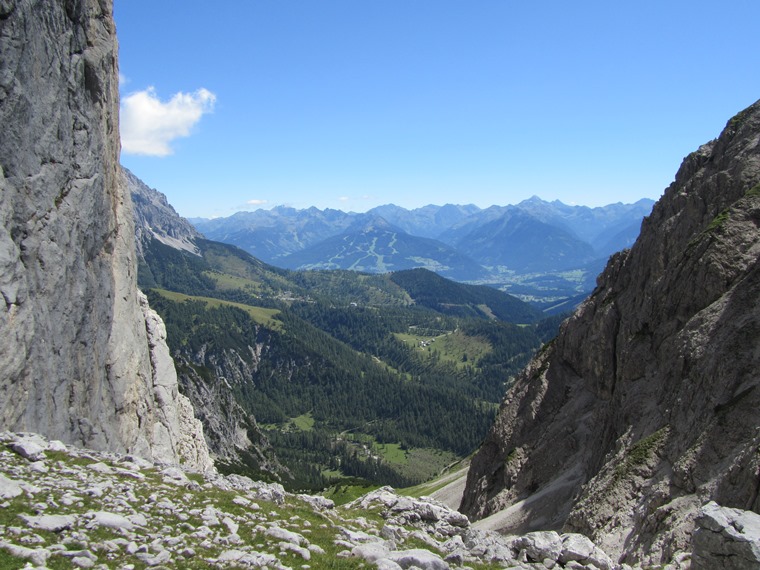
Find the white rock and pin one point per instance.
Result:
(134, 474)
(419, 558)
(305, 553)
(101, 468)
(286, 536)
(371, 551)
(203, 531)
(39, 467)
(28, 449)
(231, 525)
(385, 564)
(242, 501)
(317, 502)
(138, 519)
(356, 536)
(9, 488)
(137, 463)
(38, 556)
(210, 516)
(51, 523)
(539, 545)
(575, 547)
(175, 475)
(161, 558)
(30, 489)
(110, 520)
(57, 445)
(726, 538)
(231, 555)
(257, 559)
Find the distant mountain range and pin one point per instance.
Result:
(537, 249)
(335, 349)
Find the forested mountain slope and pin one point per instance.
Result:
(310, 377)
(646, 406)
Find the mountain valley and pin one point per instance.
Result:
(382, 378)
(166, 399)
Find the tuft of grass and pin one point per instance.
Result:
(393, 453)
(718, 221)
(641, 452)
(753, 192)
(345, 493)
(454, 346)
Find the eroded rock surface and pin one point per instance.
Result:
(726, 539)
(647, 404)
(77, 361)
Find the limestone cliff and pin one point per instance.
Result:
(646, 406)
(232, 435)
(82, 357)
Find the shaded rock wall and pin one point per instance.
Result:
(77, 361)
(646, 406)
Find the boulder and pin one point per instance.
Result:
(538, 546)
(726, 539)
(51, 523)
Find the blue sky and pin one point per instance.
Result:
(351, 104)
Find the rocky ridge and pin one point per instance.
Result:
(646, 406)
(156, 218)
(83, 359)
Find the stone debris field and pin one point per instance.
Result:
(63, 507)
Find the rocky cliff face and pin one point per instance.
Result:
(82, 357)
(232, 434)
(206, 376)
(646, 406)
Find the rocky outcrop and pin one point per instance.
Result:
(79, 360)
(449, 532)
(726, 539)
(233, 436)
(647, 405)
(156, 218)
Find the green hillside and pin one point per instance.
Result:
(351, 377)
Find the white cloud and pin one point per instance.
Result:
(149, 125)
(256, 202)
(344, 199)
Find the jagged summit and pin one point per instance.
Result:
(156, 218)
(646, 406)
